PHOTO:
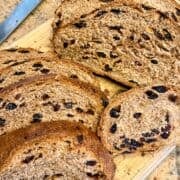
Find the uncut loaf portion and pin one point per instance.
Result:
(18, 64)
(132, 44)
(54, 150)
(141, 120)
(50, 97)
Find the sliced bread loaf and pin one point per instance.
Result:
(141, 119)
(132, 44)
(49, 97)
(58, 150)
(17, 66)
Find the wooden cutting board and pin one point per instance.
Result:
(128, 166)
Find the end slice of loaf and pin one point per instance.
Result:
(19, 64)
(131, 44)
(142, 119)
(49, 97)
(57, 150)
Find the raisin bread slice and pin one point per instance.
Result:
(49, 97)
(141, 119)
(20, 66)
(127, 43)
(56, 150)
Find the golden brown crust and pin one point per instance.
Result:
(10, 142)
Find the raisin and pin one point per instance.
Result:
(151, 94)
(165, 135)
(156, 131)
(80, 24)
(37, 65)
(80, 139)
(115, 112)
(8, 61)
(178, 12)
(11, 50)
(131, 37)
(116, 11)
(65, 44)
(167, 117)
(45, 71)
(172, 98)
(100, 13)
(158, 34)
(74, 76)
(85, 57)
(45, 97)
(23, 51)
(154, 61)
(107, 68)
(72, 41)
(146, 7)
(145, 36)
(113, 55)
(150, 140)
(57, 175)
(70, 115)
(137, 115)
(2, 80)
(90, 111)
(113, 128)
(68, 105)
(11, 106)
(28, 159)
(58, 23)
(18, 73)
(163, 15)
(126, 152)
(146, 134)
(56, 107)
(22, 105)
(160, 89)
(106, 1)
(116, 38)
(105, 102)
(117, 28)
(79, 110)
(166, 128)
(18, 96)
(18, 63)
(37, 117)
(101, 54)
(167, 35)
(91, 163)
(174, 17)
(137, 63)
(2, 122)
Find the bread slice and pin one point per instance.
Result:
(58, 150)
(142, 119)
(49, 97)
(18, 65)
(132, 44)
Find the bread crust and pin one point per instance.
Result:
(13, 141)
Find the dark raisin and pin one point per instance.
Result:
(1, 80)
(156, 131)
(113, 128)
(122, 145)
(45, 97)
(167, 35)
(137, 63)
(137, 115)
(91, 163)
(174, 17)
(163, 15)
(154, 61)
(18, 73)
(72, 41)
(101, 54)
(37, 65)
(11, 50)
(74, 76)
(2, 122)
(83, 16)
(126, 152)
(146, 134)
(146, 7)
(85, 57)
(131, 37)
(18, 96)
(11, 106)
(90, 111)
(158, 34)
(105, 102)
(18, 63)
(100, 13)
(70, 115)
(65, 44)
(58, 175)
(80, 24)
(116, 11)
(150, 140)
(93, 175)
(107, 68)
(28, 159)
(56, 107)
(151, 94)
(22, 105)
(58, 23)
(160, 89)
(178, 12)
(116, 38)
(113, 55)
(79, 110)
(115, 112)
(116, 147)
(106, 1)
(145, 36)
(8, 61)
(23, 51)
(45, 71)
(68, 105)
(117, 28)
(172, 98)
(80, 139)
(165, 135)
(167, 117)
(166, 128)
(37, 117)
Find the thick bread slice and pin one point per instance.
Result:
(42, 98)
(56, 150)
(69, 10)
(132, 44)
(141, 119)
(18, 65)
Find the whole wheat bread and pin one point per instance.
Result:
(49, 97)
(142, 119)
(58, 150)
(16, 66)
(130, 43)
